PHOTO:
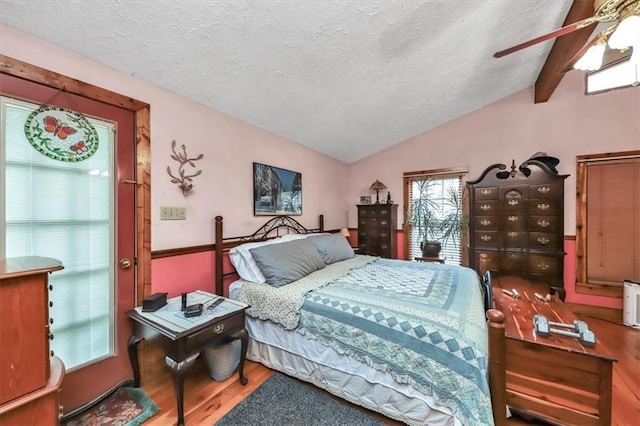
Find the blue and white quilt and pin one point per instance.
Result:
(422, 323)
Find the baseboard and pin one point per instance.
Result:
(606, 314)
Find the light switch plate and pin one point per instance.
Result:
(173, 213)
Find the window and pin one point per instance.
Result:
(62, 210)
(608, 222)
(441, 218)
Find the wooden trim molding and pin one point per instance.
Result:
(180, 251)
(49, 78)
(607, 314)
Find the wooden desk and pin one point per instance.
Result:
(555, 378)
(183, 339)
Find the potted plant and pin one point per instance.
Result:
(437, 221)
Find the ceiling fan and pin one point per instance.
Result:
(622, 35)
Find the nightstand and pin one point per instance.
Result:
(182, 338)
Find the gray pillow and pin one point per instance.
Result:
(287, 262)
(332, 247)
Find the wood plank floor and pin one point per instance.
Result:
(206, 400)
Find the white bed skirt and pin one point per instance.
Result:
(342, 376)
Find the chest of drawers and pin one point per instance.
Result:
(517, 221)
(376, 230)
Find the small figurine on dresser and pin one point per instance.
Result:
(389, 198)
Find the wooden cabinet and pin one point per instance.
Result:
(376, 230)
(517, 220)
(31, 376)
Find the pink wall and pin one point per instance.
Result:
(569, 124)
(184, 273)
(229, 146)
(570, 280)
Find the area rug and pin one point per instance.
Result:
(125, 407)
(283, 400)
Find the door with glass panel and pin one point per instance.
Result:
(67, 168)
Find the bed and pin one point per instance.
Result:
(406, 339)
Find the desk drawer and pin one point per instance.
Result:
(215, 331)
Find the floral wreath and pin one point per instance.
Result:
(61, 134)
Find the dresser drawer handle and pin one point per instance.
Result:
(513, 202)
(543, 266)
(544, 189)
(512, 234)
(486, 238)
(485, 222)
(512, 218)
(543, 240)
(544, 206)
(218, 328)
(544, 223)
(485, 207)
(485, 192)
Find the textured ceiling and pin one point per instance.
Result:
(346, 78)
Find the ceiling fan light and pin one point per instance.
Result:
(626, 34)
(592, 59)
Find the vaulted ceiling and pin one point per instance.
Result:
(346, 78)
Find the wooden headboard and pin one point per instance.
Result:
(274, 227)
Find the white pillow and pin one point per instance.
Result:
(240, 257)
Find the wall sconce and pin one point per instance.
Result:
(183, 180)
(377, 186)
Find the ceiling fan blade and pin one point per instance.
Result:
(569, 65)
(557, 33)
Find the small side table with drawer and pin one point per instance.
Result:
(182, 339)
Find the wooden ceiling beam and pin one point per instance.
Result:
(563, 50)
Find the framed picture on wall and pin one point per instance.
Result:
(276, 191)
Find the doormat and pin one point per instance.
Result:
(283, 400)
(125, 407)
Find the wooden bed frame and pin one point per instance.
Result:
(281, 225)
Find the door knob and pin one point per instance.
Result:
(125, 263)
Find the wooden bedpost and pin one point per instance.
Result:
(321, 223)
(497, 354)
(497, 366)
(483, 266)
(218, 255)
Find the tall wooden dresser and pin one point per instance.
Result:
(376, 230)
(517, 220)
(31, 375)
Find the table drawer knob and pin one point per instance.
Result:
(218, 328)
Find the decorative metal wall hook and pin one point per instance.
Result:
(183, 180)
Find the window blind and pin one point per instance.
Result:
(613, 222)
(439, 190)
(63, 210)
